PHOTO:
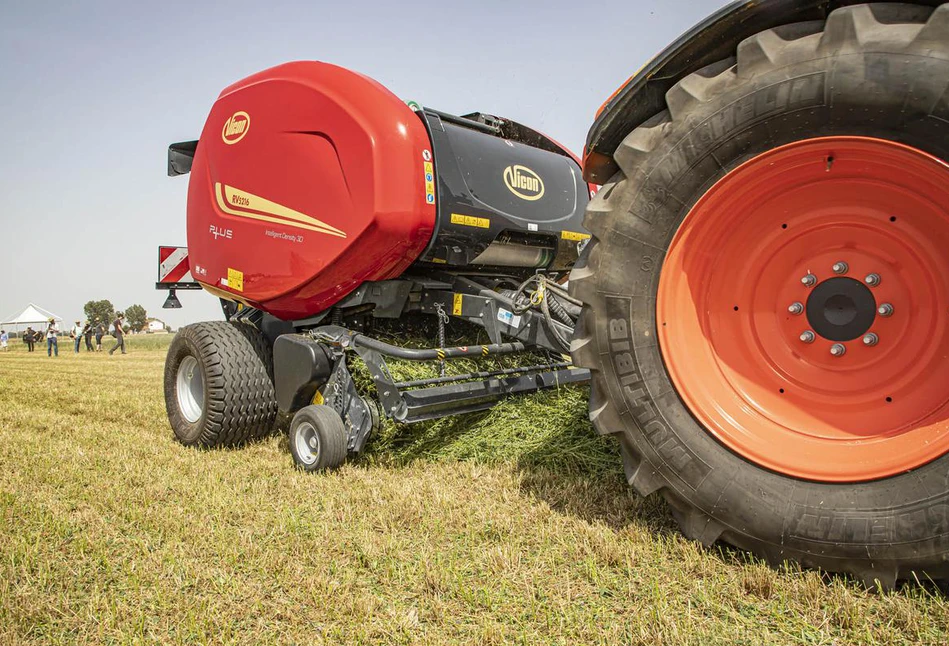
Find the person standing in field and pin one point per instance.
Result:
(99, 330)
(119, 334)
(29, 337)
(87, 334)
(4, 340)
(76, 334)
(52, 343)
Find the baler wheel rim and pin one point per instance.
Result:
(189, 386)
(307, 443)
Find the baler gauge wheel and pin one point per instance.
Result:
(317, 438)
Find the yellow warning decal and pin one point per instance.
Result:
(456, 305)
(574, 235)
(235, 279)
(317, 398)
(470, 221)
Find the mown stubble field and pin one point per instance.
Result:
(514, 526)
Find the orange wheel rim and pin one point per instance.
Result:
(803, 307)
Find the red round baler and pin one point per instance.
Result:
(318, 187)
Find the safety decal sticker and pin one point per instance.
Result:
(429, 169)
(574, 235)
(456, 304)
(235, 279)
(470, 221)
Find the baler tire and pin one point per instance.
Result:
(870, 70)
(235, 363)
(318, 438)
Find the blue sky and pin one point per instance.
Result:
(92, 93)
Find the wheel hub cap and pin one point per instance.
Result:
(307, 443)
(854, 385)
(841, 309)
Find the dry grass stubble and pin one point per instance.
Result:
(513, 526)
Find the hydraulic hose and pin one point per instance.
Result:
(558, 310)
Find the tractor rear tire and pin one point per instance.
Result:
(219, 388)
(870, 75)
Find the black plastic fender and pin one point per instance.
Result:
(301, 367)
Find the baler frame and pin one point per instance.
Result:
(310, 364)
(405, 402)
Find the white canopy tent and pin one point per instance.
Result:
(33, 316)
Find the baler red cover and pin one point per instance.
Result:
(308, 179)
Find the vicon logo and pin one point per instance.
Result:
(235, 127)
(523, 182)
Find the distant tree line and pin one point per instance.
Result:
(136, 318)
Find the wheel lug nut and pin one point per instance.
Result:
(796, 308)
(838, 349)
(870, 339)
(872, 280)
(807, 336)
(809, 280)
(885, 310)
(841, 267)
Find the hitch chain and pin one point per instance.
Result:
(442, 320)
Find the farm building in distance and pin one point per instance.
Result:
(156, 326)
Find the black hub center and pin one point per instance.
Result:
(841, 309)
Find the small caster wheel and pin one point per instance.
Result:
(317, 439)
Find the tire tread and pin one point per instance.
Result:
(850, 28)
(240, 396)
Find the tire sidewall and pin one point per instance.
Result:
(888, 519)
(183, 346)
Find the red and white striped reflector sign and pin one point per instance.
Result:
(173, 266)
